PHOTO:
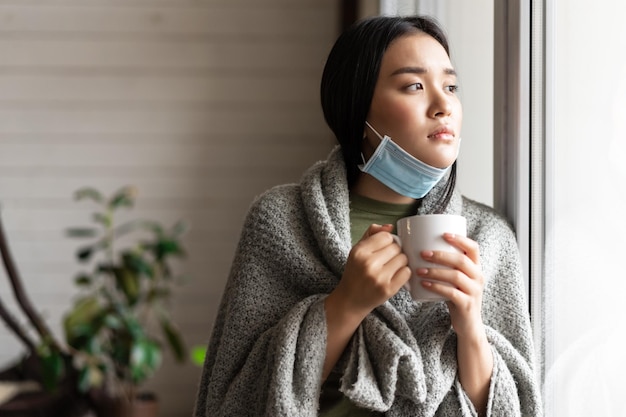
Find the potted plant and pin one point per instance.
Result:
(40, 383)
(120, 322)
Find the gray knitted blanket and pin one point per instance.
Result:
(267, 348)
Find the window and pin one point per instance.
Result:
(562, 67)
(585, 225)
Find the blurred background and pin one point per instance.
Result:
(204, 104)
(201, 105)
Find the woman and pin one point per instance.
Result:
(315, 319)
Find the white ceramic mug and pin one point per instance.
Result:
(425, 232)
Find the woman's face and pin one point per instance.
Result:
(415, 101)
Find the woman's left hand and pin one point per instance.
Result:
(465, 279)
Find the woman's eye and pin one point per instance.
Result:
(415, 87)
(453, 88)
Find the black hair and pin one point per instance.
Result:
(350, 76)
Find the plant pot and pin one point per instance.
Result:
(143, 405)
(64, 400)
(43, 404)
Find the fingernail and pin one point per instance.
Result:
(422, 271)
(427, 254)
(449, 235)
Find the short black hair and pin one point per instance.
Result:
(350, 76)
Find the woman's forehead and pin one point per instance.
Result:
(415, 50)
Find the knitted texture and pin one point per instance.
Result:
(267, 349)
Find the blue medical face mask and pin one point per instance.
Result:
(401, 171)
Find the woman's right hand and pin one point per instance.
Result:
(375, 271)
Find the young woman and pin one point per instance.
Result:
(315, 319)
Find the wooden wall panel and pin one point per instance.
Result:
(200, 104)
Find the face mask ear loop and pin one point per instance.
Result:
(374, 130)
(377, 134)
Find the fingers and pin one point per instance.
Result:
(376, 266)
(467, 261)
(375, 228)
(380, 253)
(455, 261)
(459, 279)
(445, 290)
(464, 273)
(466, 245)
(450, 280)
(375, 238)
(399, 264)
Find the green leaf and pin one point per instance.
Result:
(106, 269)
(81, 232)
(138, 264)
(84, 253)
(93, 346)
(90, 193)
(89, 377)
(174, 339)
(84, 321)
(128, 282)
(119, 351)
(52, 366)
(127, 227)
(83, 380)
(123, 198)
(112, 321)
(166, 247)
(198, 355)
(83, 280)
(145, 358)
(103, 219)
(135, 329)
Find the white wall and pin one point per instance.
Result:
(470, 29)
(200, 104)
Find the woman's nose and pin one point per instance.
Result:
(440, 105)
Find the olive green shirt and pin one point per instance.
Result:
(365, 212)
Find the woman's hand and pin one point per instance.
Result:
(465, 279)
(465, 292)
(375, 271)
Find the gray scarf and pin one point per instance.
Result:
(268, 343)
